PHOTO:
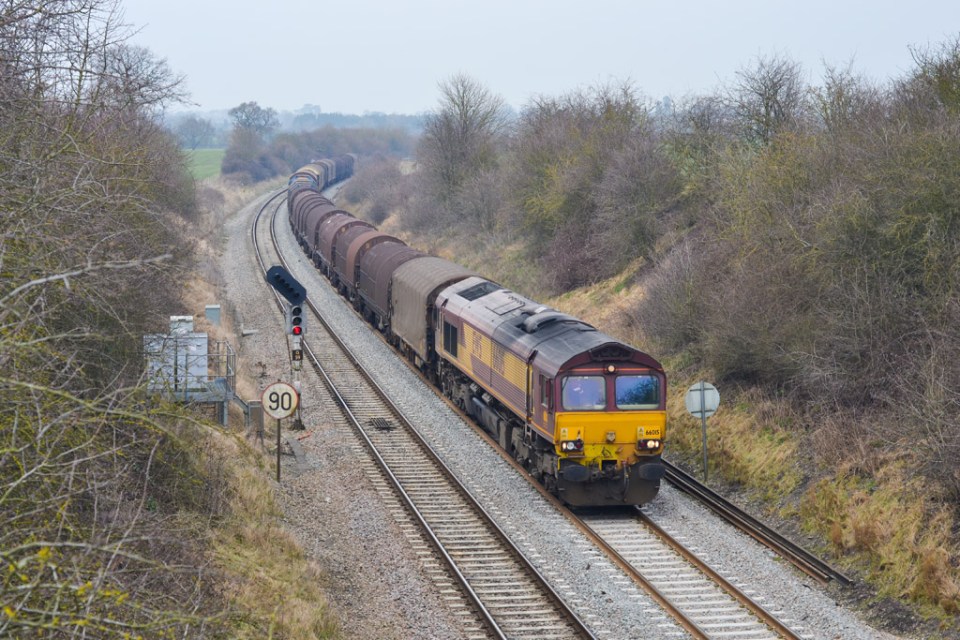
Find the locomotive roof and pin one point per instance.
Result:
(524, 327)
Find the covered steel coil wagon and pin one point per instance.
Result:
(413, 292)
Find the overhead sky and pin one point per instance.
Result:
(357, 56)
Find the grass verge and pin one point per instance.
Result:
(205, 163)
(273, 587)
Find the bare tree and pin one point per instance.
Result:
(844, 100)
(88, 544)
(133, 78)
(935, 83)
(194, 132)
(459, 140)
(768, 98)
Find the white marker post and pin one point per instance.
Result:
(279, 401)
(702, 400)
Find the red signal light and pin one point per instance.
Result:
(296, 331)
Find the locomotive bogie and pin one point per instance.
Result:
(638, 484)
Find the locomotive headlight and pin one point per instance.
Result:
(648, 445)
(569, 446)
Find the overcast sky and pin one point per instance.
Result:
(356, 56)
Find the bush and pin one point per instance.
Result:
(378, 182)
(89, 545)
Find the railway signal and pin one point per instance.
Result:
(295, 297)
(295, 324)
(296, 320)
(286, 285)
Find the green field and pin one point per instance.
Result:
(205, 163)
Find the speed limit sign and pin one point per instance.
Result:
(279, 400)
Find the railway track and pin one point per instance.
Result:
(705, 603)
(507, 594)
(783, 546)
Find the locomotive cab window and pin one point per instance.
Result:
(638, 392)
(584, 393)
(450, 338)
(546, 385)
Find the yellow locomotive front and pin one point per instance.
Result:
(609, 430)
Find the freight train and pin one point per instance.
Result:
(583, 412)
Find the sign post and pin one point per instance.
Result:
(702, 401)
(279, 401)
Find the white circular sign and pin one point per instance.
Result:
(279, 400)
(702, 399)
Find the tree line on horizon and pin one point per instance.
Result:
(259, 150)
(202, 130)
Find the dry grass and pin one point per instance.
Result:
(270, 589)
(271, 583)
(898, 534)
(748, 441)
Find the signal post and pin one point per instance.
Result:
(294, 300)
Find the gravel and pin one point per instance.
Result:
(371, 573)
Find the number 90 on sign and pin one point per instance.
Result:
(279, 400)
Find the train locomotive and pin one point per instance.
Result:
(583, 412)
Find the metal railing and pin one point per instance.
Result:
(190, 367)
